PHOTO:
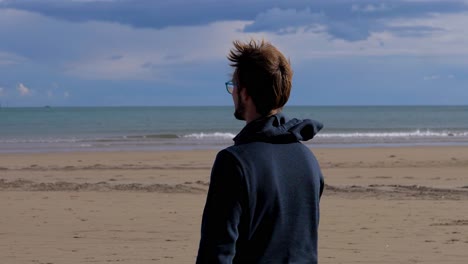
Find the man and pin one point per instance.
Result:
(263, 200)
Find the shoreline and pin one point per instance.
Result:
(201, 147)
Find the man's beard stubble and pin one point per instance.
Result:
(240, 109)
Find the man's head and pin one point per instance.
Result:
(261, 72)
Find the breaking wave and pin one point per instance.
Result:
(215, 135)
(401, 134)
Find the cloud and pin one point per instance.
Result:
(414, 31)
(437, 77)
(90, 1)
(431, 77)
(23, 90)
(151, 54)
(116, 57)
(448, 45)
(2, 90)
(291, 21)
(443, 34)
(351, 23)
(10, 59)
(369, 8)
(111, 51)
(171, 49)
(279, 20)
(140, 14)
(348, 20)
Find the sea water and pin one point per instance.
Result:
(171, 128)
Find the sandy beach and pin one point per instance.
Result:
(380, 205)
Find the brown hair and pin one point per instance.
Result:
(264, 71)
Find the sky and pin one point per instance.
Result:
(159, 53)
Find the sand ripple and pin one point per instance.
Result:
(396, 191)
(25, 185)
(379, 191)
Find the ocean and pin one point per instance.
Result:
(51, 129)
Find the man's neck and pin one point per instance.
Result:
(251, 116)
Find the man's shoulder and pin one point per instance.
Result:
(258, 146)
(237, 153)
(250, 151)
(241, 149)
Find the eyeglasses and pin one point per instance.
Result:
(230, 87)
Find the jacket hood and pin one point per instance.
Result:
(278, 129)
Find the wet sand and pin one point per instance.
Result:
(381, 205)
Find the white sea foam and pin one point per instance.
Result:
(401, 134)
(215, 135)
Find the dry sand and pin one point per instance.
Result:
(381, 205)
